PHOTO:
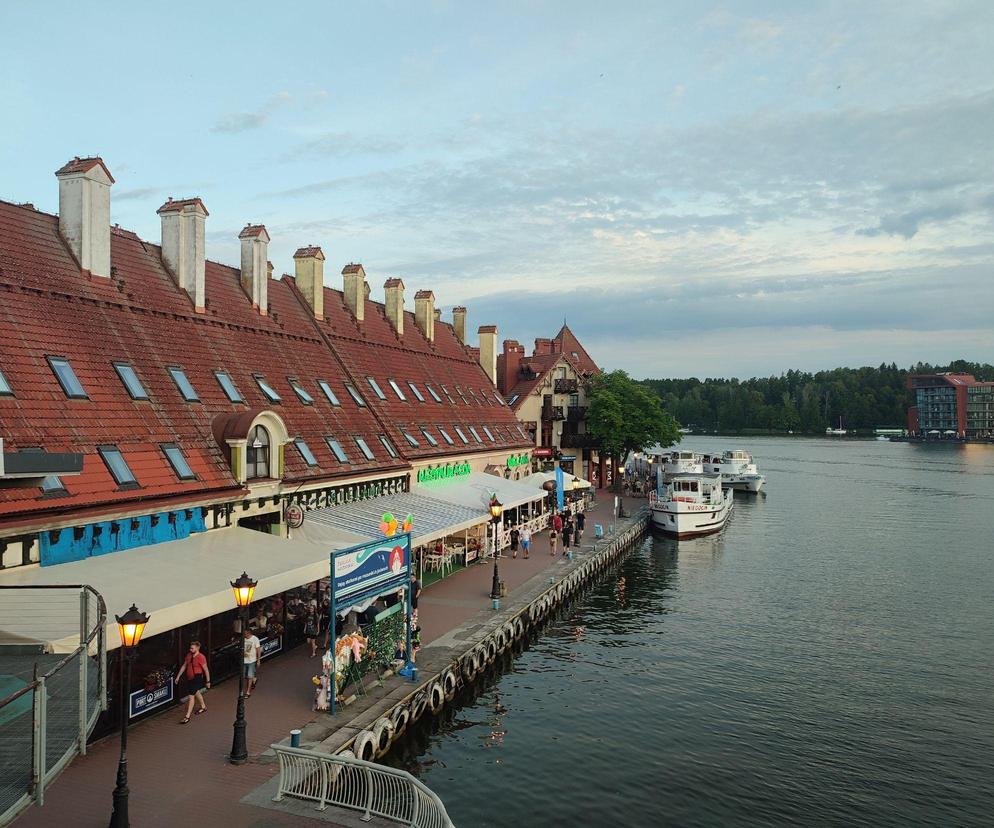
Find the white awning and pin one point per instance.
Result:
(474, 490)
(183, 581)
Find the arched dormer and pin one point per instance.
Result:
(254, 442)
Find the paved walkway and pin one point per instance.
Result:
(178, 774)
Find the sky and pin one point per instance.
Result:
(698, 189)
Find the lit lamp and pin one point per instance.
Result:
(131, 625)
(244, 589)
(496, 510)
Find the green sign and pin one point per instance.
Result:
(436, 473)
(516, 460)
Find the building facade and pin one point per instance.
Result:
(951, 405)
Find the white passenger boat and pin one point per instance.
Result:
(690, 505)
(737, 469)
(677, 462)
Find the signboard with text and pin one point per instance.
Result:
(141, 701)
(270, 646)
(360, 569)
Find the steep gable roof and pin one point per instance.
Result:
(566, 342)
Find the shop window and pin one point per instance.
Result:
(117, 466)
(257, 454)
(305, 452)
(228, 387)
(176, 459)
(388, 445)
(397, 391)
(359, 401)
(132, 384)
(337, 450)
(376, 388)
(302, 394)
(367, 452)
(268, 391)
(434, 394)
(183, 384)
(328, 392)
(415, 391)
(64, 373)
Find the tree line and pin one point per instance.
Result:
(799, 401)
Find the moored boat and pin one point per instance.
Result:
(737, 469)
(690, 505)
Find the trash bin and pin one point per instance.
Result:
(598, 531)
(295, 738)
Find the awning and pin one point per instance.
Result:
(474, 490)
(433, 518)
(183, 581)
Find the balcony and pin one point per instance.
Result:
(575, 413)
(553, 412)
(565, 386)
(576, 441)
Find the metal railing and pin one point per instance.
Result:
(371, 789)
(45, 722)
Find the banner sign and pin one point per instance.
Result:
(141, 701)
(434, 473)
(516, 460)
(542, 452)
(560, 501)
(270, 646)
(361, 568)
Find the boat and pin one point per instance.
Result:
(836, 432)
(690, 505)
(737, 469)
(677, 462)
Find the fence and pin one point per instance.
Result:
(50, 701)
(345, 782)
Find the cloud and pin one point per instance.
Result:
(137, 193)
(233, 123)
(342, 144)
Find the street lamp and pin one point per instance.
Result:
(131, 625)
(496, 509)
(244, 589)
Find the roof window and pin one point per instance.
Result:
(176, 459)
(117, 466)
(230, 391)
(388, 445)
(445, 434)
(461, 395)
(365, 449)
(476, 434)
(328, 392)
(183, 384)
(267, 389)
(376, 389)
(489, 434)
(434, 395)
(305, 452)
(337, 450)
(302, 394)
(499, 398)
(410, 438)
(447, 394)
(431, 440)
(52, 483)
(359, 401)
(462, 436)
(67, 377)
(132, 384)
(397, 391)
(414, 390)
(5, 389)
(514, 399)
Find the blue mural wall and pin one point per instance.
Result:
(79, 542)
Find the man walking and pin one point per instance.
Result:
(252, 655)
(567, 535)
(581, 519)
(526, 540)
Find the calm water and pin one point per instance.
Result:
(826, 660)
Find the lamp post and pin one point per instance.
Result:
(244, 589)
(496, 509)
(131, 625)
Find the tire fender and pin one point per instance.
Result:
(468, 666)
(364, 746)
(400, 716)
(383, 733)
(449, 684)
(436, 696)
(418, 705)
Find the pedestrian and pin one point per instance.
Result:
(515, 536)
(415, 593)
(581, 519)
(311, 628)
(251, 656)
(553, 541)
(198, 677)
(557, 522)
(567, 536)
(526, 540)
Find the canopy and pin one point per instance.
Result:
(183, 581)
(475, 489)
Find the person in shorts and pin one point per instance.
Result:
(198, 677)
(252, 655)
(311, 630)
(526, 540)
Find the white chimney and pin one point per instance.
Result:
(488, 351)
(356, 290)
(84, 213)
(255, 265)
(459, 323)
(183, 247)
(309, 276)
(393, 290)
(425, 313)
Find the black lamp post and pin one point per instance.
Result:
(496, 509)
(244, 588)
(131, 625)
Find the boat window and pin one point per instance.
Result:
(693, 485)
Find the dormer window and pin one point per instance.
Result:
(397, 391)
(359, 401)
(414, 390)
(64, 373)
(431, 440)
(268, 391)
(186, 390)
(328, 392)
(367, 452)
(300, 391)
(230, 391)
(376, 388)
(132, 384)
(433, 393)
(257, 453)
(388, 446)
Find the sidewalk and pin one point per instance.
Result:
(178, 774)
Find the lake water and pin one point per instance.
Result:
(826, 660)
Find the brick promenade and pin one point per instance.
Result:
(179, 776)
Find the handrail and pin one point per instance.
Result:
(346, 782)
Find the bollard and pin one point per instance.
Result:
(295, 738)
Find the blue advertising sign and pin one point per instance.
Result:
(141, 701)
(270, 646)
(560, 483)
(362, 568)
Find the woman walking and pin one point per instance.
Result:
(311, 630)
(198, 677)
(553, 541)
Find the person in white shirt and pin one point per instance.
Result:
(252, 655)
(526, 540)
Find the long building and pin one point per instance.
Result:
(953, 405)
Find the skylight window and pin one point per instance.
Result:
(231, 392)
(434, 395)
(365, 449)
(183, 384)
(67, 377)
(337, 450)
(328, 392)
(5, 389)
(117, 465)
(447, 394)
(461, 395)
(410, 438)
(431, 440)
(499, 398)
(305, 452)
(52, 483)
(445, 434)
(462, 436)
(476, 434)
(388, 446)
(521, 431)
(176, 459)
(472, 393)
(376, 389)
(132, 384)
(414, 390)
(489, 434)
(514, 399)
(359, 401)
(267, 390)
(397, 391)
(300, 391)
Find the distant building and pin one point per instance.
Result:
(951, 405)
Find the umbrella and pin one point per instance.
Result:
(934, 432)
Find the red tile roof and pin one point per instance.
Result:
(393, 282)
(309, 253)
(352, 268)
(565, 342)
(424, 294)
(81, 165)
(253, 230)
(174, 206)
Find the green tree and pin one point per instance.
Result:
(624, 415)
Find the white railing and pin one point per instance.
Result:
(346, 782)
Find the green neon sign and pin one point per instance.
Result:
(435, 473)
(516, 460)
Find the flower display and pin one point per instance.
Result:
(388, 525)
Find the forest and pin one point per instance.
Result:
(860, 398)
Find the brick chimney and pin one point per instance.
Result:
(84, 213)
(355, 290)
(255, 265)
(488, 351)
(393, 290)
(425, 314)
(183, 246)
(543, 346)
(508, 365)
(459, 323)
(308, 273)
